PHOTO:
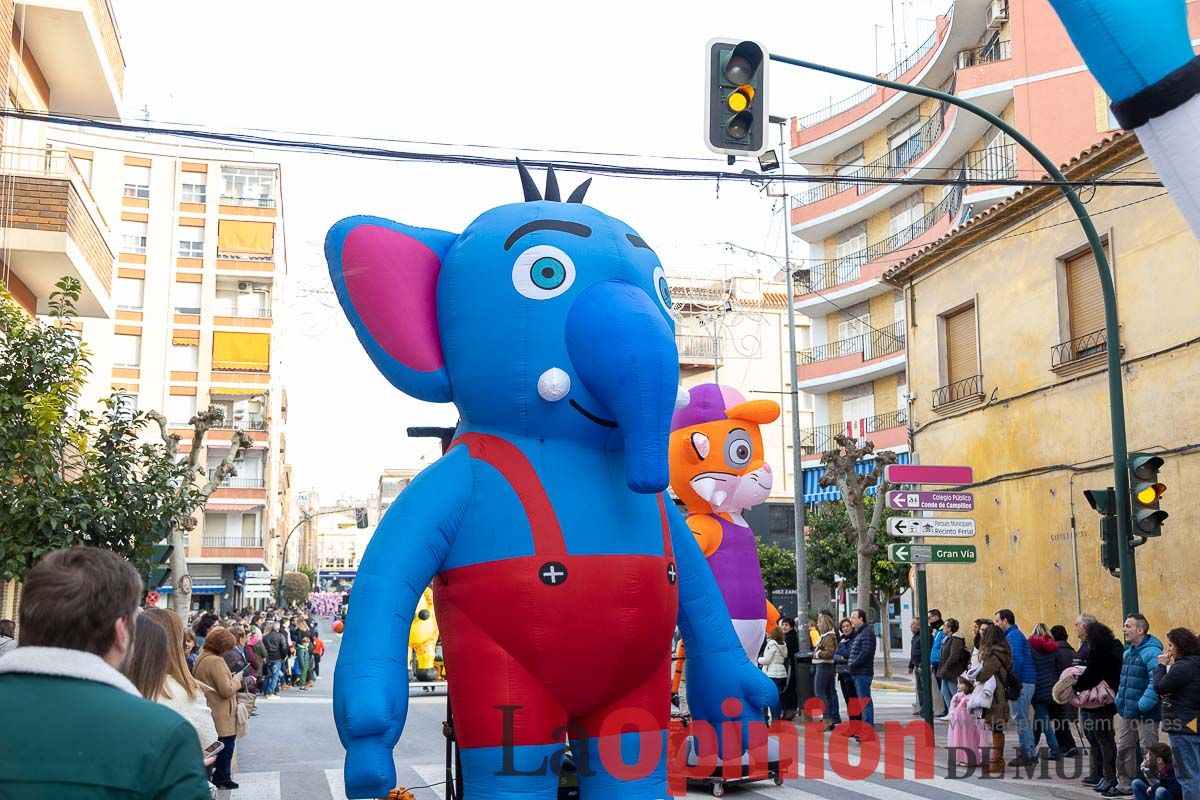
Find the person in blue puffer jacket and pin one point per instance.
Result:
(1022, 667)
(862, 661)
(1137, 703)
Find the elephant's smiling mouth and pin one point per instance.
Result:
(608, 423)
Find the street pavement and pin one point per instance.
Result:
(291, 752)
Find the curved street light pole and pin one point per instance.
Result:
(1116, 396)
(288, 538)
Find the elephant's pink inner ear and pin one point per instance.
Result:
(392, 282)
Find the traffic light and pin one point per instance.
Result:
(160, 567)
(736, 89)
(360, 517)
(1145, 492)
(1105, 502)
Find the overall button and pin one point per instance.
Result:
(672, 574)
(552, 573)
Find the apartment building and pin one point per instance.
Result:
(197, 296)
(1037, 429)
(63, 57)
(734, 331)
(341, 543)
(1013, 58)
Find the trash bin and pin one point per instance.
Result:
(802, 675)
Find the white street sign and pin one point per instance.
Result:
(934, 526)
(258, 573)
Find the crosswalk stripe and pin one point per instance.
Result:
(255, 786)
(337, 783)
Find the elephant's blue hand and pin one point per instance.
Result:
(717, 678)
(370, 771)
(1128, 44)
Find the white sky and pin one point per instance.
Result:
(617, 77)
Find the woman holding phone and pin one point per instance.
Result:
(221, 688)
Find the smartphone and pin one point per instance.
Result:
(213, 749)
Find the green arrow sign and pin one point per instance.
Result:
(931, 553)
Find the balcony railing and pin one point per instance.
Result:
(232, 541)
(874, 344)
(695, 349)
(886, 166)
(47, 162)
(820, 439)
(959, 390)
(863, 95)
(1093, 344)
(996, 51)
(253, 313)
(998, 162)
(253, 202)
(246, 424)
(235, 482)
(848, 268)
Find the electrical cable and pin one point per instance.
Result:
(586, 167)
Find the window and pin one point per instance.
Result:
(194, 189)
(898, 306)
(84, 166)
(1085, 302)
(191, 242)
(848, 163)
(185, 357)
(180, 409)
(137, 181)
(129, 292)
(850, 243)
(187, 298)
(126, 406)
(962, 359)
(902, 393)
(127, 350)
(858, 403)
(245, 239)
(249, 529)
(904, 138)
(907, 212)
(133, 237)
(248, 187)
(854, 321)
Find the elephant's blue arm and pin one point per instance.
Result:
(370, 692)
(703, 617)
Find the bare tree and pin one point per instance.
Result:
(201, 424)
(840, 471)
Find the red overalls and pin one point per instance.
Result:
(567, 639)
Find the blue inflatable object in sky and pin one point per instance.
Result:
(560, 569)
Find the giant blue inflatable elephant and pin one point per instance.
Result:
(1141, 54)
(559, 566)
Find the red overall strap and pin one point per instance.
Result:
(511, 463)
(666, 525)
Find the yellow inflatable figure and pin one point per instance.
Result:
(423, 638)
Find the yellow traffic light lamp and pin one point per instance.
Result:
(736, 87)
(1146, 491)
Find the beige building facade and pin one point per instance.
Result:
(1008, 305)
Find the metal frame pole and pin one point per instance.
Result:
(797, 454)
(1116, 395)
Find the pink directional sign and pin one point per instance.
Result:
(920, 473)
(930, 501)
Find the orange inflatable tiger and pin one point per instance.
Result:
(718, 471)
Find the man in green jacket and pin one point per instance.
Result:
(76, 727)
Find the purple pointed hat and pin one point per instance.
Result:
(708, 402)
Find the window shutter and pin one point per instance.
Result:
(1085, 303)
(961, 361)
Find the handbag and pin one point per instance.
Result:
(1099, 695)
(1012, 685)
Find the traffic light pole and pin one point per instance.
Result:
(1116, 395)
(925, 678)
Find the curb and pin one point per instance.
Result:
(895, 687)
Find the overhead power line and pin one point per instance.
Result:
(586, 167)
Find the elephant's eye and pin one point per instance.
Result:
(542, 272)
(662, 289)
(738, 448)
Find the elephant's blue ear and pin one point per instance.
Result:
(385, 275)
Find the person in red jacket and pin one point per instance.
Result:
(318, 650)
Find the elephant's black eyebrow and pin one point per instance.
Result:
(638, 241)
(574, 228)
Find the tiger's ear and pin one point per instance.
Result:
(761, 411)
(385, 275)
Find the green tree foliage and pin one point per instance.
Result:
(310, 572)
(72, 476)
(296, 587)
(778, 566)
(831, 550)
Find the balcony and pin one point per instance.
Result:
(1081, 353)
(886, 167)
(221, 540)
(959, 394)
(852, 360)
(52, 227)
(252, 423)
(987, 54)
(235, 482)
(698, 351)
(854, 277)
(885, 430)
(247, 202)
(78, 47)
